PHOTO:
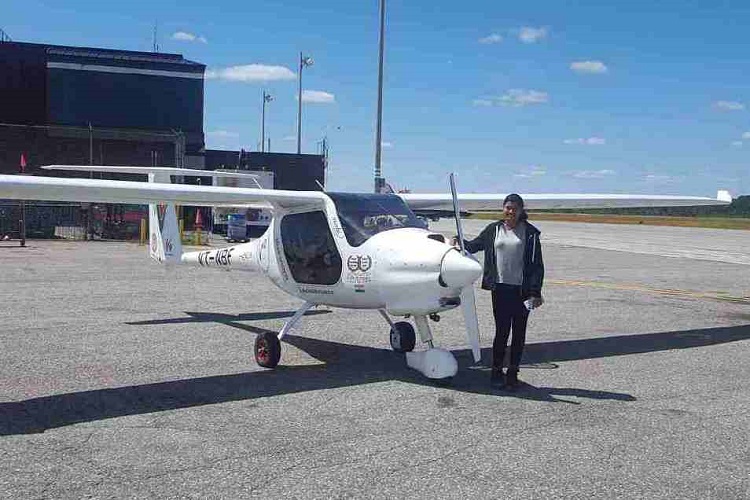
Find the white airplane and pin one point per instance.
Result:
(360, 251)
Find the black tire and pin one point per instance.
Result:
(403, 337)
(267, 350)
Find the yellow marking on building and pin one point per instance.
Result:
(672, 292)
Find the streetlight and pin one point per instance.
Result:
(303, 62)
(266, 98)
(379, 180)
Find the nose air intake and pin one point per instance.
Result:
(458, 271)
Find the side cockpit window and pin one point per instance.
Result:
(309, 249)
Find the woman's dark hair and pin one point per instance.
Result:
(515, 198)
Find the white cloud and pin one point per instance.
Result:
(592, 174)
(521, 97)
(184, 36)
(530, 172)
(592, 67)
(490, 39)
(590, 141)
(514, 97)
(251, 73)
(737, 144)
(222, 134)
(746, 135)
(660, 178)
(289, 138)
(483, 102)
(317, 96)
(528, 34)
(729, 105)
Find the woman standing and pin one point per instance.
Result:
(514, 272)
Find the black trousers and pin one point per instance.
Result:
(510, 314)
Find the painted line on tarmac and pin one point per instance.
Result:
(672, 292)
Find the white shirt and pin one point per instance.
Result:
(509, 247)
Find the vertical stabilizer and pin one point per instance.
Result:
(164, 234)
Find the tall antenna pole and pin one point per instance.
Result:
(379, 181)
(156, 44)
(263, 123)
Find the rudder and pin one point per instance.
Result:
(165, 244)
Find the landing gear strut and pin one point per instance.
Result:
(436, 364)
(268, 345)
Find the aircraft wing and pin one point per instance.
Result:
(19, 187)
(493, 202)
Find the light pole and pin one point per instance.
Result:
(266, 98)
(379, 180)
(303, 62)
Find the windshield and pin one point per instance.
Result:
(364, 215)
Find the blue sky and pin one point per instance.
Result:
(631, 96)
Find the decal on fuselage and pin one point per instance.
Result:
(318, 291)
(338, 231)
(359, 263)
(222, 257)
(246, 257)
(358, 271)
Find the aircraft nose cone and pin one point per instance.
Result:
(458, 271)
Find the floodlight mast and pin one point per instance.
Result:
(379, 180)
(303, 62)
(266, 99)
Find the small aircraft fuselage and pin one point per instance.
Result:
(362, 251)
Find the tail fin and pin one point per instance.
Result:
(165, 244)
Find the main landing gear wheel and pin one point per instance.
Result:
(403, 338)
(267, 350)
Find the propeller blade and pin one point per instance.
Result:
(468, 303)
(469, 308)
(457, 214)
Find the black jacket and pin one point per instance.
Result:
(533, 265)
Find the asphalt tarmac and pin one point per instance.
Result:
(121, 378)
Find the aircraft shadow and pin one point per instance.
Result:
(344, 365)
(203, 317)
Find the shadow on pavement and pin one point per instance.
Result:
(344, 365)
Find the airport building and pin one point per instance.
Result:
(93, 106)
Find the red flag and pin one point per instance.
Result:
(23, 163)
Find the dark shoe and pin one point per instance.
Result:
(497, 378)
(511, 380)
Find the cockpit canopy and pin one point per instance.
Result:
(365, 215)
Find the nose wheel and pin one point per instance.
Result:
(267, 350)
(403, 337)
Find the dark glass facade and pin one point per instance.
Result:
(124, 100)
(22, 84)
